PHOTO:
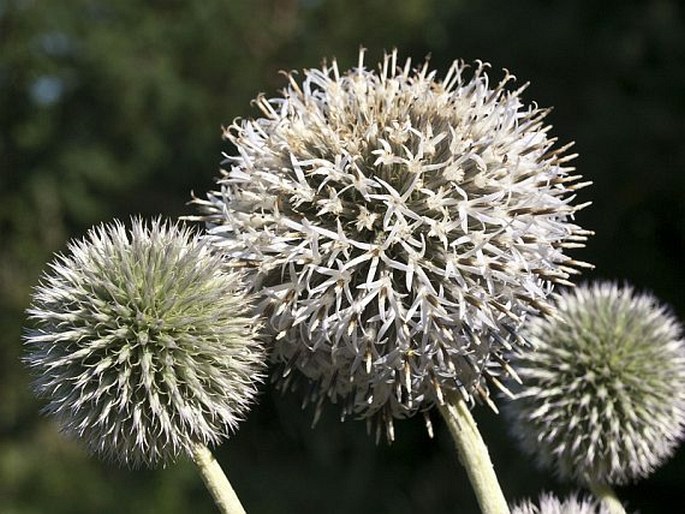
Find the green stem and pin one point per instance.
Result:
(215, 480)
(474, 456)
(608, 497)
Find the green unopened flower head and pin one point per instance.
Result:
(550, 504)
(398, 226)
(603, 397)
(142, 343)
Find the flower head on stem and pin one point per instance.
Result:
(603, 395)
(143, 344)
(398, 226)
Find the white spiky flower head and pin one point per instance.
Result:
(550, 504)
(142, 343)
(603, 395)
(398, 226)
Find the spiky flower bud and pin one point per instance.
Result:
(142, 344)
(603, 396)
(550, 504)
(399, 227)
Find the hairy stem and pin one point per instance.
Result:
(474, 456)
(215, 480)
(608, 497)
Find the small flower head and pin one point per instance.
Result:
(143, 344)
(399, 226)
(603, 396)
(550, 504)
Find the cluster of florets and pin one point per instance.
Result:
(550, 504)
(398, 227)
(603, 396)
(143, 344)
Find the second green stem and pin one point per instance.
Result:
(474, 456)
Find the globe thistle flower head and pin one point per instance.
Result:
(603, 395)
(142, 344)
(399, 226)
(550, 504)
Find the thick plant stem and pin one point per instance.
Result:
(608, 497)
(215, 480)
(474, 456)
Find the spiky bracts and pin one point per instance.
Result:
(550, 504)
(142, 343)
(399, 227)
(603, 396)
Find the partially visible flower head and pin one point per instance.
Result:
(550, 504)
(143, 344)
(603, 395)
(399, 226)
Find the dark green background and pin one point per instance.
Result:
(114, 108)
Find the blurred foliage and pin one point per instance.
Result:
(109, 109)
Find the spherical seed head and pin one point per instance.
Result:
(399, 227)
(143, 344)
(603, 397)
(550, 504)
